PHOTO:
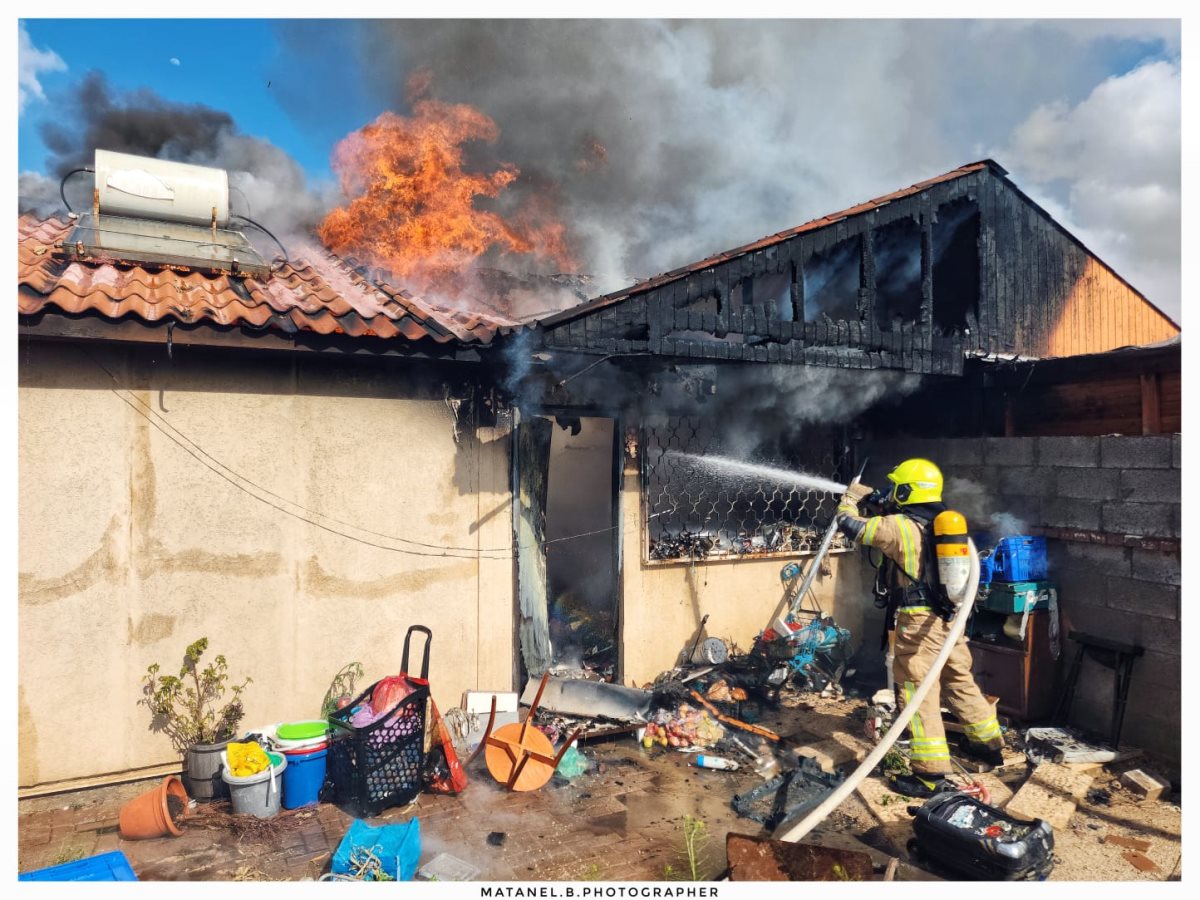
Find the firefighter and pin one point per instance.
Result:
(900, 542)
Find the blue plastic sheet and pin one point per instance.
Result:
(398, 848)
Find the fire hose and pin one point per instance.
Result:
(957, 626)
(822, 550)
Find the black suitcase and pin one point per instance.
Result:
(979, 842)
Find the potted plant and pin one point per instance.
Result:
(192, 711)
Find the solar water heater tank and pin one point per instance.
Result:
(143, 187)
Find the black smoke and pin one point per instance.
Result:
(140, 122)
(665, 140)
(672, 140)
(266, 183)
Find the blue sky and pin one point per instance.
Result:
(223, 64)
(716, 132)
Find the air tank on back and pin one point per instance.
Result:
(147, 188)
(954, 554)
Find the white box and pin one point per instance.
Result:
(480, 702)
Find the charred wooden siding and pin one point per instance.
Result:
(699, 316)
(963, 264)
(1050, 296)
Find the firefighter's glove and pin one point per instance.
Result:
(854, 495)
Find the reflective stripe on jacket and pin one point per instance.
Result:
(896, 536)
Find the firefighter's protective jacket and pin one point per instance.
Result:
(897, 536)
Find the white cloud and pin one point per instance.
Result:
(1109, 167)
(31, 64)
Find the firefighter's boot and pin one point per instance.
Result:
(988, 755)
(922, 785)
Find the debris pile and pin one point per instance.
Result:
(684, 728)
(715, 703)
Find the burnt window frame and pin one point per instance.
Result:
(859, 240)
(914, 303)
(972, 311)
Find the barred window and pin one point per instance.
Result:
(696, 512)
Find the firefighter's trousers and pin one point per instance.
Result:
(920, 635)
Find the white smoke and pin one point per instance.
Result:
(1005, 524)
(761, 403)
(267, 184)
(978, 504)
(1109, 168)
(39, 195)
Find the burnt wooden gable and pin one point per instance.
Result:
(963, 264)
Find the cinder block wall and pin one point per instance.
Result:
(1111, 509)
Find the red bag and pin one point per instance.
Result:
(444, 773)
(389, 692)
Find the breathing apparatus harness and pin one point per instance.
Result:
(927, 589)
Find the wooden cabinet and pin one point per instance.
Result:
(1020, 674)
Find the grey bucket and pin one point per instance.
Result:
(712, 652)
(256, 795)
(205, 762)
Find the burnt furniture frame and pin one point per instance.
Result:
(1111, 654)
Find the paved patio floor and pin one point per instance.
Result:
(622, 820)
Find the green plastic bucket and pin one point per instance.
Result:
(302, 731)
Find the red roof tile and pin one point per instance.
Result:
(316, 292)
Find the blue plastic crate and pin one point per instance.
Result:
(111, 866)
(1019, 558)
(987, 567)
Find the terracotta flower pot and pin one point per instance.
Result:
(149, 816)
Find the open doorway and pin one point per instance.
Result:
(567, 559)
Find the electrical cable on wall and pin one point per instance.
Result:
(234, 478)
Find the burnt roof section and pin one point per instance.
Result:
(675, 274)
(317, 292)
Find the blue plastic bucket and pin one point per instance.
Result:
(303, 778)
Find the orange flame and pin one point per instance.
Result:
(413, 208)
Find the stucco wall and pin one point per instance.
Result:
(662, 604)
(131, 547)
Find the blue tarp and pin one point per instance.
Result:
(398, 848)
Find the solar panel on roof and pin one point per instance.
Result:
(123, 239)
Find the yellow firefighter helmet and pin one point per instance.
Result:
(916, 481)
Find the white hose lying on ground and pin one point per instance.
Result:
(957, 626)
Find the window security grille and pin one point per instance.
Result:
(693, 512)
